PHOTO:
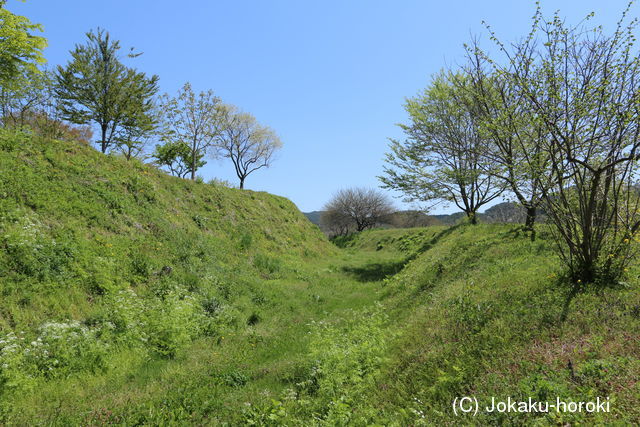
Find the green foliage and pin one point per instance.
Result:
(104, 246)
(20, 50)
(148, 317)
(172, 323)
(267, 264)
(11, 140)
(96, 87)
(232, 379)
(343, 241)
(441, 158)
(346, 358)
(190, 124)
(58, 350)
(245, 241)
(29, 248)
(177, 157)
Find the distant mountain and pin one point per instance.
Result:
(449, 219)
(314, 217)
(506, 212)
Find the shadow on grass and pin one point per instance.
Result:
(434, 240)
(573, 291)
(375, 271)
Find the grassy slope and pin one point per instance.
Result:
(261, 320)
(124, 249)
(482, 311)
(76, 223)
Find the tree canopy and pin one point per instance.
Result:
(191, 120)
(249, 145)
(21, 51)
(96, 87)
(441, 159)
(355, 209)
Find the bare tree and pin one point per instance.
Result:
(356, 209)
(249, 145)
(336, 223)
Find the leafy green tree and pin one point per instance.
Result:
(584, 87)
(249, 145)
(191, 120)
(138, 129)
(513, 133)
(95, 87)
(20, 50)
(177, 157)
(19, 101)
(31, 106)
(441, 158)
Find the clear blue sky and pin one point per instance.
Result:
(329, 76)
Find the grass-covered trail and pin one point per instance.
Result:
(224, 378)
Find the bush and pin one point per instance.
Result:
(11, 140)
(62, 348)
(59, 349)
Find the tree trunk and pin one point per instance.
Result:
(193, 165)
(530, 221)
(242, 183)
(585, 272)
(473, 218)
(531, 217)
(103, 142)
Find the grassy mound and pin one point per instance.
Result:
(134, 298)
(481, 311)
(100, 255)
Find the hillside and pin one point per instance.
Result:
(483, 312)
(81, 224)
(134, 298)
(100, 257)
(477, 311)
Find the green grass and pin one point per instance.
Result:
(483, 311)
(130, 297)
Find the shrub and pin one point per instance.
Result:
(62, 348)
(59, 349)
(172, 322)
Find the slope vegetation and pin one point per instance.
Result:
(130, 297)
(101, 257)
(478, 311)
